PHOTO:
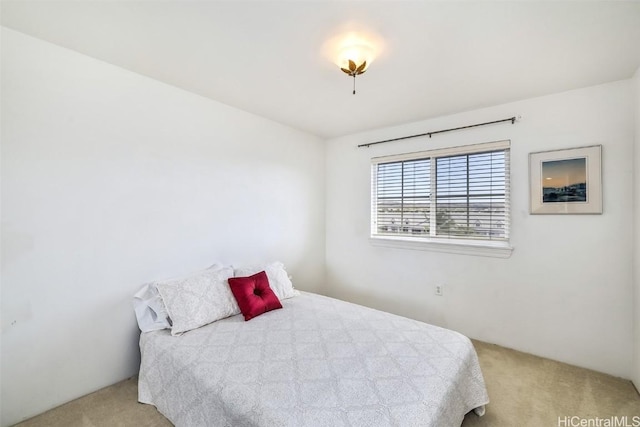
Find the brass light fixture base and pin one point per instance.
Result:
(355, 70)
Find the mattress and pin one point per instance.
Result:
(317, 361)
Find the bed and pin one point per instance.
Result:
(317, 361)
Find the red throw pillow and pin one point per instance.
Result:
(254, 295)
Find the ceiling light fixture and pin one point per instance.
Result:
(353, 52)
(355, 56)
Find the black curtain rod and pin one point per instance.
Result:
(369, 144)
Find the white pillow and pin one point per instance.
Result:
(199, 299)
(278, 278)
(149, 309)
(151, 313)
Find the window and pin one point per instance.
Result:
(458, 195)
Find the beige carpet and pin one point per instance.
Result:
(524, 390)
(527, 390)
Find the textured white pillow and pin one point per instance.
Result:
(279, 280)
(151, 313)
(199, 299)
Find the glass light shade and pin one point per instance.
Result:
(357, 53)
(356, 46)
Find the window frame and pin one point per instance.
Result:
(432, 242)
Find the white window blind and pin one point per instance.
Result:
(443, 194)
(404, 197)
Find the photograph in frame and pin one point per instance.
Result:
(566, 181)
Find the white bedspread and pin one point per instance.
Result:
(316, 362)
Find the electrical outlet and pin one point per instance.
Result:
(439, 290)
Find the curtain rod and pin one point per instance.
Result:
(510, 119)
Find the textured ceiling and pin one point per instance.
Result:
(266, 58)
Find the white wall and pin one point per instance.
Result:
(566, 291)
(111, 179)
(636, 259)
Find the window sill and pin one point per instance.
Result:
(462, 247)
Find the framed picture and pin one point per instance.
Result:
(566, 181)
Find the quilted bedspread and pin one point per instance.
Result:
(316, 362)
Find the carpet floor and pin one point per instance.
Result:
(525, 390)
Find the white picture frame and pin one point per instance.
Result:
(567, 181)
